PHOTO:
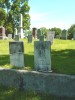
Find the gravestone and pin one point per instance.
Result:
(20, 28)
(9, 36)
(16, 38)
(42, 56)
(34, 32)
(73, 35)
(16, 50)
(64, 34)
(30, 38)
(50, 36)
(38, 33)
(41, 38)
(2, 32)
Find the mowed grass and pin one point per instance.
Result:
(62, 55)
(16, 94)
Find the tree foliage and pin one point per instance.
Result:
(57, 31)
(44, 31)
(13, 9)
(71, 30)
(2, 17)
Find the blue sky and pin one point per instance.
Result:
(52, 13)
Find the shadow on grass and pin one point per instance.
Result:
(4, 60)
(15, 94)
(63, 61)
(29, 60)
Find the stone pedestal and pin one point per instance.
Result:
(42, 56)
(16, 50)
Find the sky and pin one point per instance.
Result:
(52, 13)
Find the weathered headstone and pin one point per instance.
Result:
(50, 36)
(38, 33)
(64, 34)
(34, 32)
(2, 32)
(41, 38)
(30, 38)
(42, 56)
(16, 50)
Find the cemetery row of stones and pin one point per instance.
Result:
(42, 56)
(36, 33)
(51, 83)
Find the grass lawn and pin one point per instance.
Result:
(16, 94)
(62, 55)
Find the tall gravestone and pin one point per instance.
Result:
(20, 28)
(64, 34)
(42, 56)
(16, 50)
(34, 32)
(50, 36)
(2, 32)
(15, 31)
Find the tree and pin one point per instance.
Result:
(70, 31)
(44, 31)
(3, 16)
(13, 9)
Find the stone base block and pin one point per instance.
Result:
(17, 59)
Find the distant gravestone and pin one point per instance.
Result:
(34, 32)
(16, 50)
(74, 35)
(9, 36)
(38, 33)
(64, 34)
(30, 38)
(2, 32)
(41, 38)
(16, 38)
(42, 56)
(50, 36)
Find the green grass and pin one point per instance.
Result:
(62, 55)
(16, 94)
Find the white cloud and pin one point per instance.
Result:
(50, 19)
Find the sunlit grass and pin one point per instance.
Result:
(62, 55)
